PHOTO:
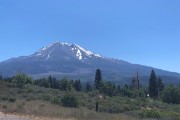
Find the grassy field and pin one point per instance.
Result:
(39, 102)
(45, 110)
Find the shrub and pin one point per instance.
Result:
(4, 106)
(29, 88)
(69, 100)
(21, 79)
(56, 100)
(169, 115)
(4, 98)
(20, 107)
(150, 114)
(47, 97)
(12, 99)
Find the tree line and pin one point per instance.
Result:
(155, 90)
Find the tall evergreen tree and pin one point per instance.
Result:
(153, 91)
(98, 80)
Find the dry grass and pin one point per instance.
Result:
(39, 110)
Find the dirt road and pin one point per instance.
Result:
(18, 117)
(12, 117)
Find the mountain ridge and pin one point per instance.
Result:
(69, 59)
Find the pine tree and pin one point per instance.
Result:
(98, 80)
(153, 91)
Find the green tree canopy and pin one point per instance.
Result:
(153, 91)
(21, 79)
(171, 94)
(98, 80)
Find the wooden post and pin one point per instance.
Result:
(97, 106)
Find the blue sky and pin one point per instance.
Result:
(139, 31)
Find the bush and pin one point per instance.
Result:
(4, 106)
(21, 79)
(55, 100)
(69, 100)
(169, 115)
(29, 88)
(4, 98)
(12, 99)
(150, 114)
(47, 97)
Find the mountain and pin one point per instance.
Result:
(71, 60)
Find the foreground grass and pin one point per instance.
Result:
(46, 110)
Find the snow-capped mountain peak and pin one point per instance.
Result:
(57, 48)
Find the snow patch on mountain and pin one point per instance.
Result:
(39, 54)
(72, 49)
(49, 54)
(97, 55)
(79, 54)
(64, 44)
(53, 44)
(48, 57)
(46, 47)
(87, 52)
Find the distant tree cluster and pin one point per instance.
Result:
(63, 84)
(171, 94)
(21, 79)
